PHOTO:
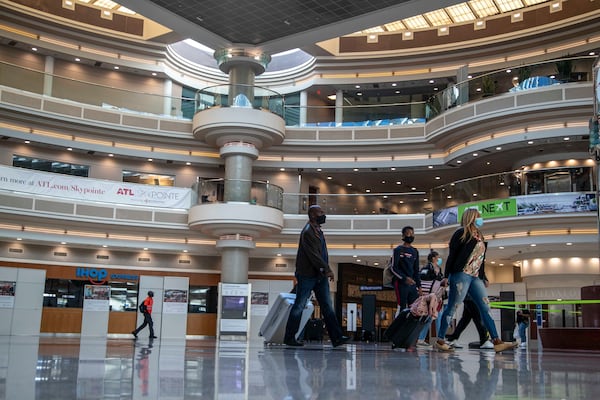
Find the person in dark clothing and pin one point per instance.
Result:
(147, 310)
(312, 274)
(431, 279)
(407, 281)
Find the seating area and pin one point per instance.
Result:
(534, 82)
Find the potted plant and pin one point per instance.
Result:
(563, 70)
(488, 86)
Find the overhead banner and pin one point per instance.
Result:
(492, 208)
(88, 189)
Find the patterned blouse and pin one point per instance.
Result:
(476, 259)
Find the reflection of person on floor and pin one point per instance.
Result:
(297, 379)
(143, 366)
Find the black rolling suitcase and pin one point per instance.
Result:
(404, 330)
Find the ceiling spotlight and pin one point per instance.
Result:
(188, 163)
(150, 160)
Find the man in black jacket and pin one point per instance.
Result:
(312, 274)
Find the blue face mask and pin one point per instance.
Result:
(439, 262)
(479, 222)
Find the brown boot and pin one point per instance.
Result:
(500, 346)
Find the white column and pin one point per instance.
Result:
(303, 105)
(168, 96)
(339, 107)
(48, 75)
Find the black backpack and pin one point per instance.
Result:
(143, 308)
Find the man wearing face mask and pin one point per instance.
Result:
(313, 274)
(407, 282)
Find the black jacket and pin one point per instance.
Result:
(309, 260)
(459, 253)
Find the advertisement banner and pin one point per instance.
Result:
(96, 298)
(175, 301)
(96, 190)
(492, 208)
(7, 294)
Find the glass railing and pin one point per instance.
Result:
(383, 111)
(109, 97)
(528, 183)
(240, 96)
(380, 111)
(238, 190)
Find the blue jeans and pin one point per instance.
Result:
(460, 285)
(427, 326)
(522, 332)
(320, 286)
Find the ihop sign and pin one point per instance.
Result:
(98, 276)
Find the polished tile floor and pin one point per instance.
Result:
(48, 368)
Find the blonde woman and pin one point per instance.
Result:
(464, 272)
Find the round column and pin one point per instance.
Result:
(234, 257)
(239, 157)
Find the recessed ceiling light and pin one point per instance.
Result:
(105, 246)
(34, 48)
(430, 166)
(354, 256)
(569, 244)
(368, 191)
(185, 251)
(278, 254)
(77, 59)
(329, 178)
(154, 74)
(533, 244)
(348, 184)
(413, 188)
(319, 170)
(458, 161)
(592, 53)
(111, 155)
(393, 168)
(475, 154)
(530, 142)
(145, 249)
(398, 183)
(358, 260)
(395, 84)
(188, 163)
(150, 160)
(116, 67)
(27, 142)
(357, 86)
(474, 194)
(19, 239)
(425, 199)
(501, 247)
(431, 81)
(63, 242)
(282, 169)
(498, 148)
(382, 181)
(359, 93)
(355, 169)
(566, 138)
(69, 148)
(437, 178)
(487, 163)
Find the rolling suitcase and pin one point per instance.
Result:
(273, 327)
(404, 330)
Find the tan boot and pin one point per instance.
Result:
(441, 345)
(500, 346)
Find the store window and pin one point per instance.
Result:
(148, 178)
(123, 296)
(203, 299)
(63, 293)
(57, 167)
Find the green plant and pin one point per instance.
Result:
(488, 85)
(564, 69)
(524, 73)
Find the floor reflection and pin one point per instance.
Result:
(72, 368)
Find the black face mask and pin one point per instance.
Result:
(321, 219)
(409, 239)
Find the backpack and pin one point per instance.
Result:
(143, 308)
(388, 275)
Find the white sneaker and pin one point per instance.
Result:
(523, 345)
(455, 344)
(488, 345)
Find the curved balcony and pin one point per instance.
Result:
(220, 213)
(236, 112)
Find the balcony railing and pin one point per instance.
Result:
(385, 111)
(240, 96)
(239, 190)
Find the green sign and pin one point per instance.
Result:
(492, 208)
